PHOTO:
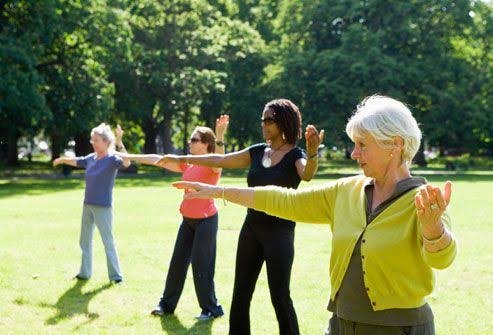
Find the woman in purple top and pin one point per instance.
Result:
(101, 170)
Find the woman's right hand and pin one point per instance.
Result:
(166, 159)
(196, 190)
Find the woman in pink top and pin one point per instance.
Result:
(196, 240)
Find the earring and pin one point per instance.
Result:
(283, 136)
(391, 155)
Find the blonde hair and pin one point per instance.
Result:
(104, 130)
(384, 119)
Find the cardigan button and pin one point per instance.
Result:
(362, 256)
(367, 288)
(374, 303)
(363, 241)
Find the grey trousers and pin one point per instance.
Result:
(338, 326)
(101, 217)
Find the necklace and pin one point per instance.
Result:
(266, 161)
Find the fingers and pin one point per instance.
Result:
(447, 191)
(187, 185)
(419, 203)
(321, 135)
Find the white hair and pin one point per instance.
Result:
(385, 118)
(104, 130)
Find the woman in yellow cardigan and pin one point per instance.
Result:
(389, 229)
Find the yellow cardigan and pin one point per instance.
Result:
(397, 269)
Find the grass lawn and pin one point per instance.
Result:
(39, 255)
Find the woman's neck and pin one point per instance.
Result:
(101, 154)
(385, 185)
(279, 144)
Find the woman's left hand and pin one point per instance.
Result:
(430, 203)
(313, 140)
(118, 134)
(221, 125)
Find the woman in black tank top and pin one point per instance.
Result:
(277, 162)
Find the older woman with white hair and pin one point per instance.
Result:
(101, 169)
(389, 229)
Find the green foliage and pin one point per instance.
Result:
(162, 67)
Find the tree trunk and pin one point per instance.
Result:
(420, 156)
(82, 145)
(56, 146)
(165, 133)
(150, 132)
(12, 159)
(186, 121)
(4, 148)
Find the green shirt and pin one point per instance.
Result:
(397, 267)
(352, 302)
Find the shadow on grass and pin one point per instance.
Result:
(172, 325)
(73, 302)
(37, 186)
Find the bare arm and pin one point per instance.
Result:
(308, 167)
(239, 195)
(151, 159)
(233, 160)
(120, 146)
(221, 126)
(72, 161)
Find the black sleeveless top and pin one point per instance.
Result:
(283, 174)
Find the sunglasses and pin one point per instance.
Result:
(267, 120)
(194, 140)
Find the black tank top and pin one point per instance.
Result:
(283, 174)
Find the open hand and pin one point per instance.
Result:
(430, 203)
(221, 125)
(196, 190)
(118, 134)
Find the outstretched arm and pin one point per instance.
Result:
(72, 161)
(151, 159)
(307, 205)
(307, 168)
(233, 160)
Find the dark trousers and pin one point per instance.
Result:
(274, 244)
(196, 244)
(338, 326)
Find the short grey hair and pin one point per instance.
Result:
(104, 130)
(385, 118)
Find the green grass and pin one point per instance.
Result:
(39, 255)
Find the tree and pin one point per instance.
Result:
(24, 32)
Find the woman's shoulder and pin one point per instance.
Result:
(257, 148)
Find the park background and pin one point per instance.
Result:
(161, 67)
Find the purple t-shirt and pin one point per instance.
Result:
(100, 178)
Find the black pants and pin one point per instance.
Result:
(274, 244)
(196, 244)
(338, 326)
